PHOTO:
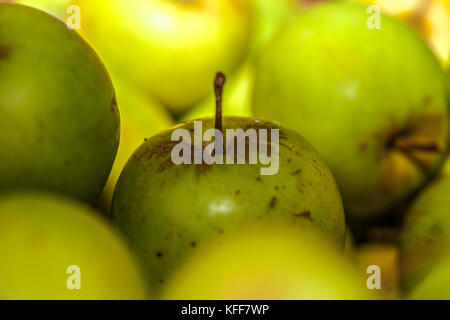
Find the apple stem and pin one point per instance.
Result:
(218, 89)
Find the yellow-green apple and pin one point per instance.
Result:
(358, 94)
(56, 248)
(167, 207)
(171, 48)
(431, 18)
(267, 263)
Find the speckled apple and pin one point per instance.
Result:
(60, 121)
(168, 210)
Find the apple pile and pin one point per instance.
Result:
(346, 196)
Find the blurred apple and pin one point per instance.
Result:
(349, 248)
(268, 263)
(57, 8)
(381, 128)
(425, 240)
(431, 18)
(50, 244)
(267, 18)
(436, 286)
(141, 117)
(170, 48)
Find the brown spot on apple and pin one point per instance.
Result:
(5, 51)
(273, 202)
(363, 146)
(305, 214)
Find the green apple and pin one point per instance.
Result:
(60, 122)
(267, 263)
(431, 18)
(50, 245)
(358, 95)
(426, 236)
(436, 285)
(171, 48)
(168, 210)
(141, 117)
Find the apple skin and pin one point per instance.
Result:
(55, 7)
(425, 238)
(141, 117)
(358, 100)
(167, 211)
(60, 128)
(267, 263)
(42, 234)
(268, 16)
(431, 19)
(448, 85)
(436, 285)
(170, 48)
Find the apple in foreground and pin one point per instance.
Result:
(359, 96)
(168, 210)
(53, 245)
(268, 263)
(60, 122)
